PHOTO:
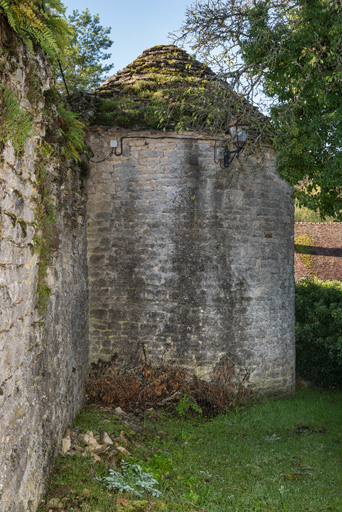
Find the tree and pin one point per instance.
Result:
(82, 63)
(291, 50)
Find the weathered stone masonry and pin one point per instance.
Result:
(43, 360)
(189, 262)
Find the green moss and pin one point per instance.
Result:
(17, 193)
(33, 86)
(45, 241)
(46, 148)
(179, 93)
(129, 112)
(303, 244)
(64, 138)
(23, 226)
(168, 101)
(134, 506)
(12, 217)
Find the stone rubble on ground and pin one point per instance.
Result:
(66, 444)
(105, 439)
(122, 450)
(87, 443)
(122, 438)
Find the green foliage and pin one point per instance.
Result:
(306, 80)
(73, 132)
(186, 406)
(38, 22)
(64, 136)
(319, 331)
(132, 480)
(290, 50)
(83, 68)
(64, 131)
(15, 124)
(304, 214)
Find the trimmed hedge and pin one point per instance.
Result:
(319, 331)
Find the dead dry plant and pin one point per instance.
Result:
(141, 386)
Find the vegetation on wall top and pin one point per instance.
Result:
(167, 89)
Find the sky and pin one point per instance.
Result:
(136, 25)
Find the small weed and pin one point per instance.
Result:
(132, 480)
(186, 406)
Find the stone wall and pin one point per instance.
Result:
(190, 262)
(43, 359)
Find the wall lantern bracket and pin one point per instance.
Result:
(228, 156)
(238, 132)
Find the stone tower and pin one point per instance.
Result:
(189, 262)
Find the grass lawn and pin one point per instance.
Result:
(279, 456)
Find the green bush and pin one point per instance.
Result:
(319, 331)
(304, 214)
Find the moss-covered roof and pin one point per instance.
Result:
(165, 60)
(166, 89)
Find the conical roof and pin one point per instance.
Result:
(166, 89)
(165, 60)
